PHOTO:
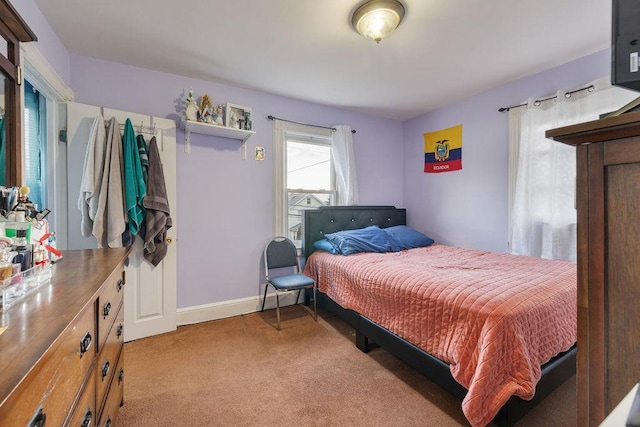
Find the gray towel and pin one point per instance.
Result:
(110, 221)
(92, 176)
(157, 218)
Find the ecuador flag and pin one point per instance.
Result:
(443, 150)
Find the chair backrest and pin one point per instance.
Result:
(279, 253)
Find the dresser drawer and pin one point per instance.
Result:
(114, 398)
(109, 302)
(56, 380)
(108, 356)
(85, 413)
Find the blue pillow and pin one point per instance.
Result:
(326, 245)
(408, 238)
(369, 239)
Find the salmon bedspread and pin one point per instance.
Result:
(494, 318)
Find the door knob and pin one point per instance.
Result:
(168, 240)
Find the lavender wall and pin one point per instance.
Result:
(225, 203)
(48, 42)
(468, 208)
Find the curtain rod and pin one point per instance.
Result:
(538, 101)
(270, 117)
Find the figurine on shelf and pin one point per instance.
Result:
(191, 108)
(189, 99)
(206, 109)
(217, 116)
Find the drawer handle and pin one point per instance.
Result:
(106, 310)
(119, 285)
(121, 376)
(105, 369)
(39, 419)
(119, 330)
(108, 422)
(85, 343)
(86, 422)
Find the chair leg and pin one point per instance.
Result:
(315, 306)
(298, 296)
(264, 298)
(278, 308)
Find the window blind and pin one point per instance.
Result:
(33, 147)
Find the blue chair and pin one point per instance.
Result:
(281, 253)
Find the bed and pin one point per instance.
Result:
(501, 354)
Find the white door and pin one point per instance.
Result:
(150, 292)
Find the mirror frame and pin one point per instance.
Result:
(14, 30)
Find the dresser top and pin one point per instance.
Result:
(37, 320)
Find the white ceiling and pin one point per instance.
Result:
(444, 51)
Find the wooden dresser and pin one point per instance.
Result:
(61, 360)
(608, 203)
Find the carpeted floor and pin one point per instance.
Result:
(242, 372)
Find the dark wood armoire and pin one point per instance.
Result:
(608, 206)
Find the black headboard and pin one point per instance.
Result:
(329, 219)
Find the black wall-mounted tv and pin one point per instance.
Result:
(625, 44)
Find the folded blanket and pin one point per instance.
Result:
(157, 217)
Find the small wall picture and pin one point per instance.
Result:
(237, 116)
(259, 153)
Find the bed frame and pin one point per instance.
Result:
(329, 219)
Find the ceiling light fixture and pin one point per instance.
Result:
(377, 19)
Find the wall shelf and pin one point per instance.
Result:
(215, 130)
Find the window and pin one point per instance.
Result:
(313, 166)
(309, 179)
(303, 175)
(34, 145)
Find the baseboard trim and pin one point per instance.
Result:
(231, 308)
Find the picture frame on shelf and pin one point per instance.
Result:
(191, 112)
(237, 116)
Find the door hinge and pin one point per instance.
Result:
(19, 75)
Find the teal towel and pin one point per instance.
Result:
(144, 157)
(134, 186)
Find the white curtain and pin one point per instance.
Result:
(344, 164)
(542, 215)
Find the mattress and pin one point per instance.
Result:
(494, 318)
